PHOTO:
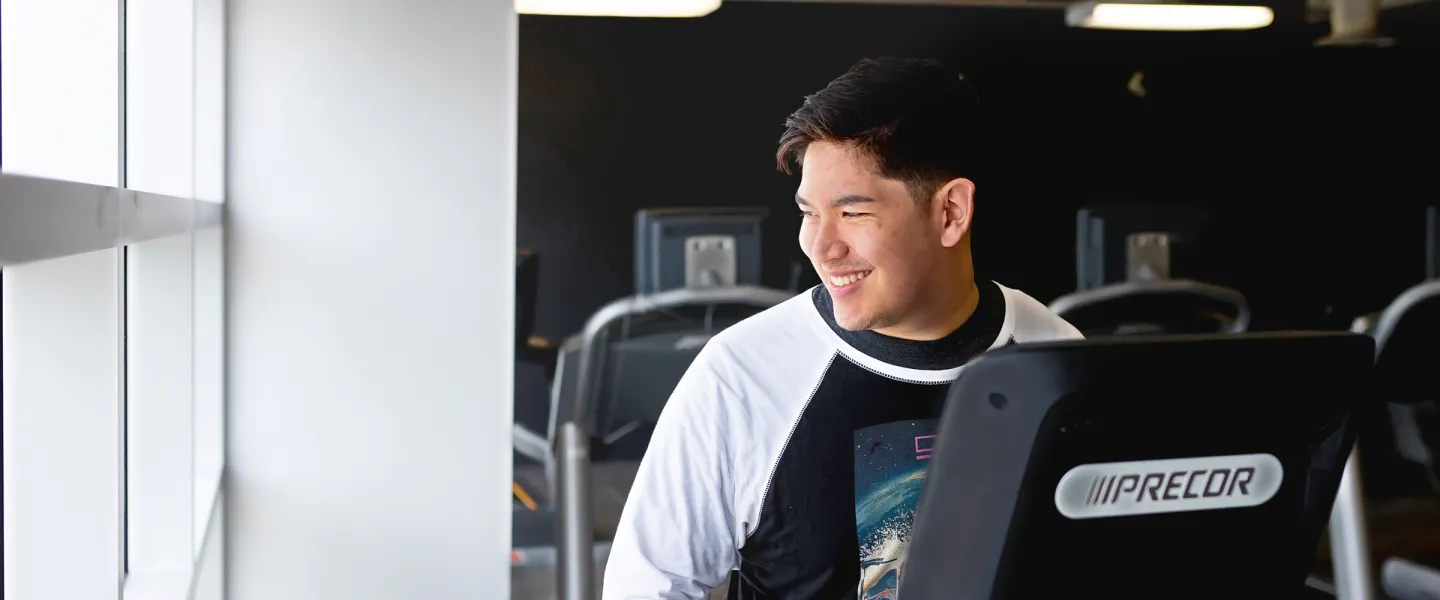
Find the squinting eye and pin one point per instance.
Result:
(806, 214)
(852, 214)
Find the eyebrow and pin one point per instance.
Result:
(842, 201)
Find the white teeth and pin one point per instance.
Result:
(847, 279)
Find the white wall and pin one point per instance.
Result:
(371, 216)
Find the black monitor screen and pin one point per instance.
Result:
(1102, 232)
(661, 236)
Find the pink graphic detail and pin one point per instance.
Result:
(924, 447)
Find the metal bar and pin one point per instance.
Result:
(529, 443)
(1106, 293)
(120, 179)
(575, 531)
(586, 372)
(1405, 580)
(46, 218)
(41, 218)
(1349, 543)
(147, 216)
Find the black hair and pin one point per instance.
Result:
(916, 118)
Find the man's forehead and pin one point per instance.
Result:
(837, 160)
(829, 176)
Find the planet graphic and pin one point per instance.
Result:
(892, 504)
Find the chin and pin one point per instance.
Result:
(852, 322)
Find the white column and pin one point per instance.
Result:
(370, 231)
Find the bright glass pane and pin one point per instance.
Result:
(60, 89)
(60, 336)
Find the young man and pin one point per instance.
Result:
(794, 449)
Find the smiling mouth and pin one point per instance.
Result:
(840, 281)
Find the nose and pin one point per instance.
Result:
(826, 244)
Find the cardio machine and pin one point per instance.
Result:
(1127, 259)
(1139, 467)
(697, 271)
(1396, 448)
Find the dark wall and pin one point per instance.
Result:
(1314, 162)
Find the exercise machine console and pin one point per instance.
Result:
(1155, 467)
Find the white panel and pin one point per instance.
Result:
(60, 89)
(210, 570)
(371, 228)
(160, 96)
(159, 486)
(210, 100)
(61, 353)
(209, 370)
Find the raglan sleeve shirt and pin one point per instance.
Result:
(677, 537)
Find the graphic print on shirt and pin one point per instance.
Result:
(890, 465)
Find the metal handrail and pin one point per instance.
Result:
(1084, 298)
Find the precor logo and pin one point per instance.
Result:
(1162, 486)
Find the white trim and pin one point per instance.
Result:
(46, 218)
(902, 373)
(1013, 298)
(181, 583)
(159, 422)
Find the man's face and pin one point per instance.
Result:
(871, 243)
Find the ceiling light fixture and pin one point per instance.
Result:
(618, 8)
(1167, 17)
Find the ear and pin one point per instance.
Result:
(957, 209)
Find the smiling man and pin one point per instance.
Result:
(794, 450)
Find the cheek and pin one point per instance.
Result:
(878, 250)
(807, 238)
(895, 260)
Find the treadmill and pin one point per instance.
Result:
(1200, 466)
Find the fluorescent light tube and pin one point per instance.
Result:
(1167, 17)
(618, 8)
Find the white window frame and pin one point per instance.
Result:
(112, 298)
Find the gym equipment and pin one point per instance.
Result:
(697, 248)
(1166, 466)
(697, 272)
(528, 346)
(1125, 259)
(611, 386)
(1405, 580)
(633, 351)
(1395, 448)
(612, 380)
(576, 575)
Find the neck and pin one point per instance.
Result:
(944, 311)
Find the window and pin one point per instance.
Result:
(111, 297)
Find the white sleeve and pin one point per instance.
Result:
(676, 538)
